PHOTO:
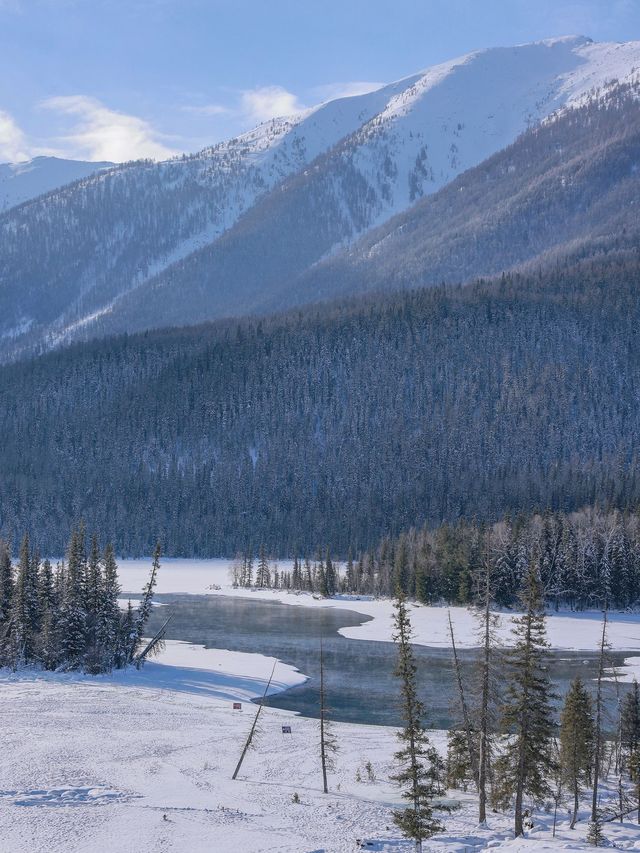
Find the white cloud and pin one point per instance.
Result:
(267, 102)
(208, 110)
(13, 142)
(331, 91)
(103, 134)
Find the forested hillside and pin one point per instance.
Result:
(336, 426)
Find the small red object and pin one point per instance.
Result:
(237, 706)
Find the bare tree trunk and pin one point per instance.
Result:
(473, 757)
(556, 802)
(152, 645)
(598, 726)
(576, 805)
(484, 702)
(323, 751)
(255, 723)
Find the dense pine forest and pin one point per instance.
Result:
(66, 617)
(584, 560)
(338, 425)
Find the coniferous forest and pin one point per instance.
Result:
(66, 617)
(337, 425)
(583, 559)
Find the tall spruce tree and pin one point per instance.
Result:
(48, 639)
(109, 618)
(73, 617)
(6, 580)
(527, 762)
(416, 755)
(630, 737)
(262, 572)
(331, 576)
(144, 608)
(630, 722)
(576, 742)
(25, 614)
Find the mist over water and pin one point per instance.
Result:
(359, 673)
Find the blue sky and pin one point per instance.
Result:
(119, 79)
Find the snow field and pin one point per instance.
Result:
(105, 764)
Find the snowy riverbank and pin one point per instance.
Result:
(95, 765)
(141, 761)
(566, 630)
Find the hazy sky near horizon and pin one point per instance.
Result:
(121, 79)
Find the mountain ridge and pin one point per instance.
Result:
(68, 262)
(24, 181)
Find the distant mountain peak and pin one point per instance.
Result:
(28, 179)
(228, 225)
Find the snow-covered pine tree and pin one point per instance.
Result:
(350, 575)
(262, 572)
(25, 615)
(93, 596)
(6, 581)
(308, 576)
(630, 722)
(144, 608)
(46, 587)
(527, 762)
(415, 777)
(72, 622)
(48, 639)
(93, 587)
(295, 574)
(109, 617)
(331, 576)
(458, 766)
(576, 742)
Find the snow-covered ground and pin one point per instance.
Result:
(141, 762)
(134, 764)
(566, 630)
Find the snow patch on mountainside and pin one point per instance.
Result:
(459, 113)
(359, 159)
(20, 182)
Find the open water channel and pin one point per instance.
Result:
(360, 683)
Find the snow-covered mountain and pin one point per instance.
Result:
(117, 249)
(20, 182)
